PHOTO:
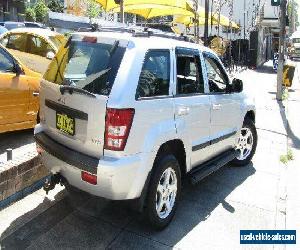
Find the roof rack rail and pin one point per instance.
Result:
(137, 31)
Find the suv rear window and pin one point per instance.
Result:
(87, 65)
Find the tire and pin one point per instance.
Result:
(169, 194)
(243, 147)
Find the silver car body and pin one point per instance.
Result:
(194, 120)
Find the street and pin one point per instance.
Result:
(210, 214)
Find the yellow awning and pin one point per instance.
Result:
(154, 10)
(110, 4)
(189, 20)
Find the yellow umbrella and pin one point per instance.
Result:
(189, 20)
(110, 4)
(154, 10)
(224, 21)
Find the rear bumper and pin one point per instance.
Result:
(117, 178)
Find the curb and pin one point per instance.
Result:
(21, 194)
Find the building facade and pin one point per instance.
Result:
(12, 10)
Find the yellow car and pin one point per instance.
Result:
(19, 90)
(35, 47)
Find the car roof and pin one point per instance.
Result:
(148, 42)
(37, 31)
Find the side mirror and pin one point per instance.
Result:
(237, 85)
(50, 55)
(18, 70)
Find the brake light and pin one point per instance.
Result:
(90, 178)
(89, 39)
(117, 127)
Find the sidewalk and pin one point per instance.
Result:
(293, 173)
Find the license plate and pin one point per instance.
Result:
(65, 123)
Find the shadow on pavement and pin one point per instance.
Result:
(93, 222)
(294, 138)
(266, 69)
(15, 139)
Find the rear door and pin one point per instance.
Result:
(225, 106)
(14, 93)
(74, 96)
(192, 111)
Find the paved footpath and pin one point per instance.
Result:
(211, 214)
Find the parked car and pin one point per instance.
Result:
(19, 89)
(294, 51)
(34, 46)
(34, 25)
(12, 25)
(126, 115)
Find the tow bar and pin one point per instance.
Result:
(51, 182)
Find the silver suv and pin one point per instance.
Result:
(126, 115)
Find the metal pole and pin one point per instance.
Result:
(206, 23)
(122, 11)
(244, 19)
(219, 18)
(281, 50)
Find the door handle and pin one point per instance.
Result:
(35, 94)
(216, 106)
(183, 111)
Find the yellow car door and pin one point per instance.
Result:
(14, 94)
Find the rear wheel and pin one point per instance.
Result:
(246, 144)
(164, 192)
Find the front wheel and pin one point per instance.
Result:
(164, 192)
(246, 144)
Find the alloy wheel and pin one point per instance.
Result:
(166, 193)
(245, 144)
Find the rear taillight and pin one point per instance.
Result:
(117, 127)
(90, 178)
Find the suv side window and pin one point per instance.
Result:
(38, 46)
(155, 76)
(217, 79)
(6, 62)
(189, 74)
(17, 42)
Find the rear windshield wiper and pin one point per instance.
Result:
(72, 89)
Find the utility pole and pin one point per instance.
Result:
(281, 49)
(206, 23)
(122, 11)
(244, 19)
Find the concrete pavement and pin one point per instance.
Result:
(210, 215)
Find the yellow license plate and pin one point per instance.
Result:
(65, 124)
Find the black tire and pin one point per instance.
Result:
(250, 125)
(162, 164)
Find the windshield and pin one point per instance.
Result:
(88, 66)
(296, 40)
(57, 40)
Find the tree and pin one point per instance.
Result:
(56, 6)
(30, 15)
(41, 11)
(93, 9)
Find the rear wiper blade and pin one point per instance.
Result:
(72, 89)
